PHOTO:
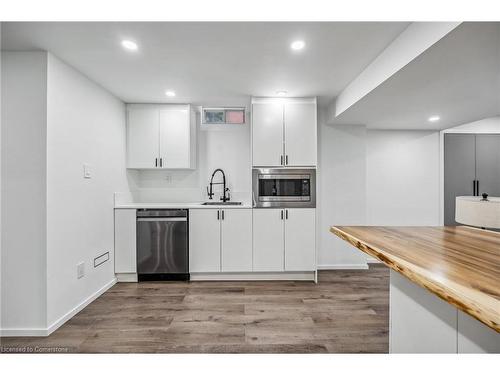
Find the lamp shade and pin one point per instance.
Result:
(477, 212)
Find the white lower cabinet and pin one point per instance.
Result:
(236, 240)
(268, 240)
(232, 240)
(284, 239)
(300, 239)
(204, 240)
(125, 241)
(220, 240)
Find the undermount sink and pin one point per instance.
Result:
(221, 203)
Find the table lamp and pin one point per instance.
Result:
(478, 212)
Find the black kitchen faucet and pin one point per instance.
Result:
(225, 190)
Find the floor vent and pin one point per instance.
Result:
(101, 259)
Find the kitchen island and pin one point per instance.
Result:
(445, 285)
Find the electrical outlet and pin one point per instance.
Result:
(80, 270)
(168, 178)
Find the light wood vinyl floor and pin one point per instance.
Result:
(346, 312)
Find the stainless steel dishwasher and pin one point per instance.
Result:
(162, 245)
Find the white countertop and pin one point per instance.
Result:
(179, 205)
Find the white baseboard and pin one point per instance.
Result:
(253, 276)
(63, 319)
(355, 266)
(373, 261)
(11, 332)
(15, 332)
(126, 277)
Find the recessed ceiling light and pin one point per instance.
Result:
(281, 93)
(298, 45)
(128, 44)
(170, 93)
(433, 118)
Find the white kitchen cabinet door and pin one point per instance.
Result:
(300, 239)
(268, 240)
(204, 240)
(236, 240)
(267, 134)
(300, 134)
(143, 137)
(125, 241)
(175, 132)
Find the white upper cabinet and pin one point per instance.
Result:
(161, 136)
(142, 138)
(300, 134)
(267, 134)
(175, 133)
(284, 132)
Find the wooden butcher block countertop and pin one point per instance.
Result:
(459, 264)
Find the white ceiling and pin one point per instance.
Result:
(458, 79)
(210, 63)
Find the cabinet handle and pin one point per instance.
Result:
(218, 215)
(222, 212)
(286, 214)
(286, 160)
(281, 160)
(156, 162)
(281, 214)
(473, 188)
(477, 188)
(161, 162)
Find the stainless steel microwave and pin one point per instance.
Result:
(274, 187)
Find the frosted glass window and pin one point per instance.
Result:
(214, 116)
(223, 116)
(235, 116)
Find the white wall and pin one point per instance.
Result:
(341, 184)
(53, 120)
(229, 150)
(373, 177)
(85, 124)
(402, 182)
(23, 215)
